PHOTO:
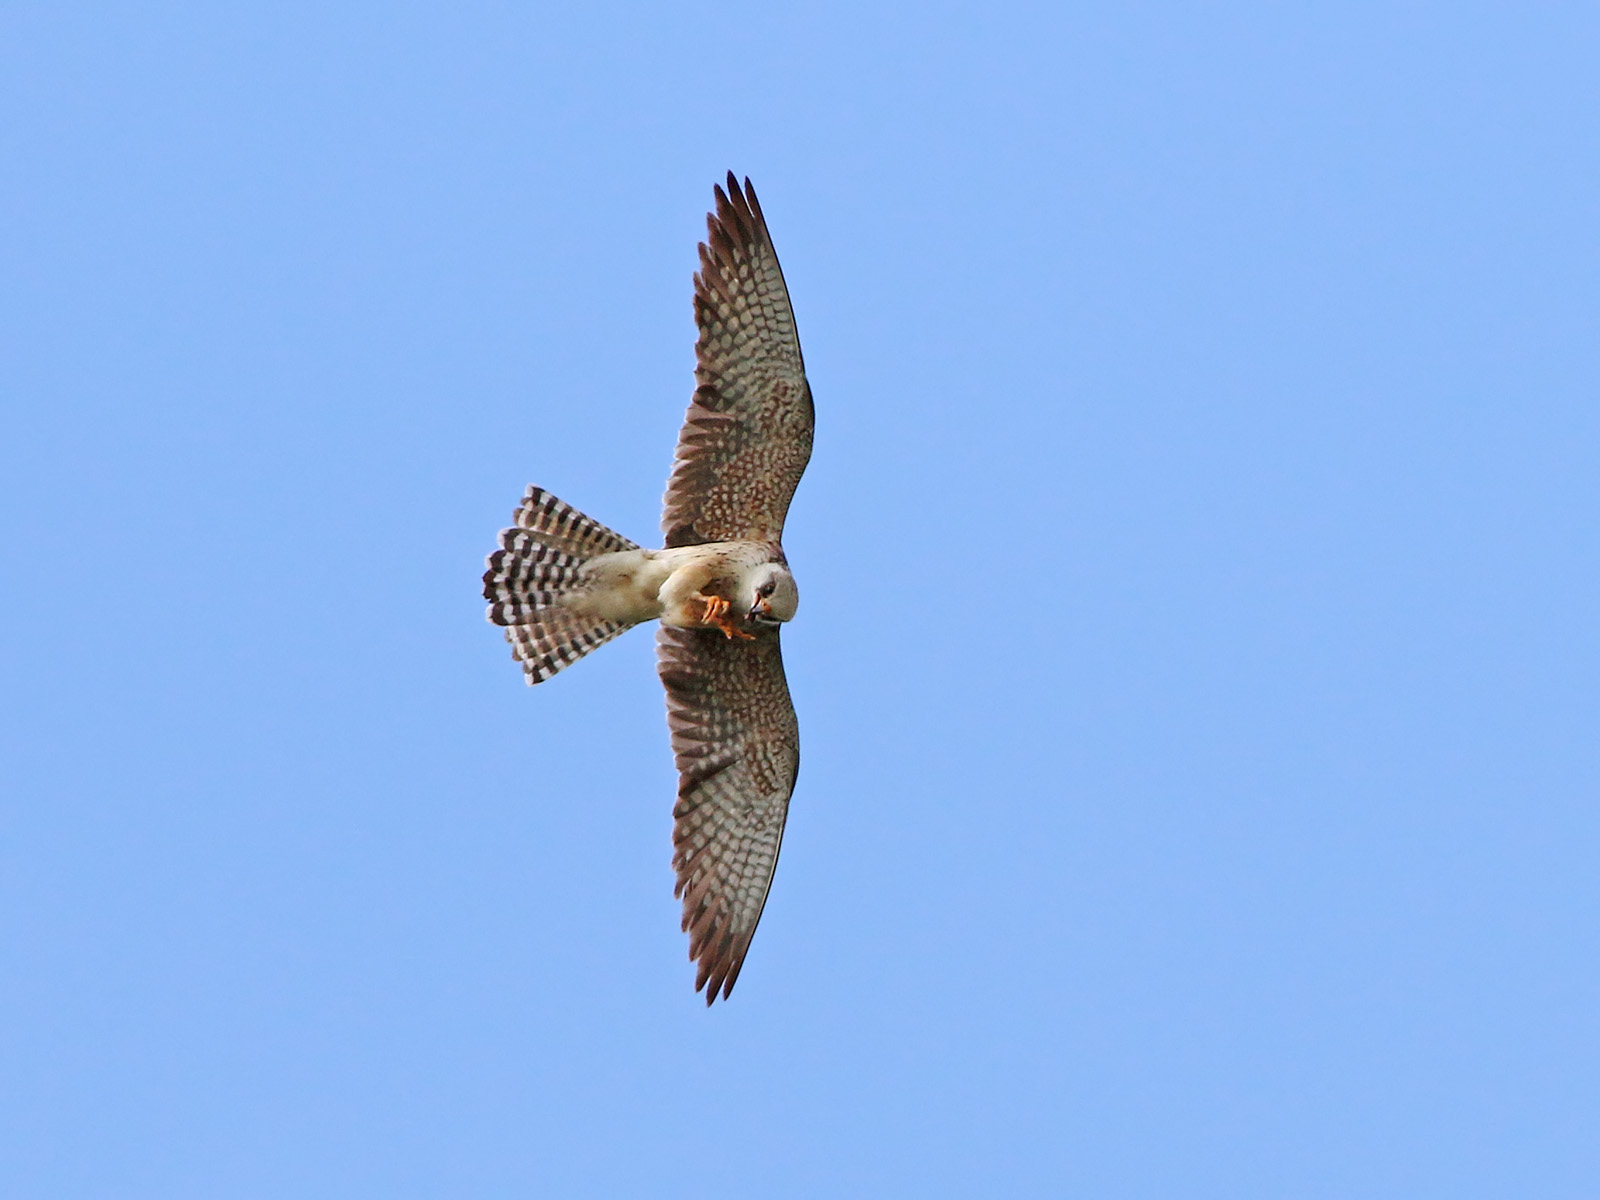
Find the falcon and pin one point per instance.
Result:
(562, 584)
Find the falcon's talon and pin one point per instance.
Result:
(730, 630)
(716, 616)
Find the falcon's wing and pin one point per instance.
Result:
(747, 436)
(738, 751)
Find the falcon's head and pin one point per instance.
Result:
(772, 594)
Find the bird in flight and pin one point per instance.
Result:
(562, 584)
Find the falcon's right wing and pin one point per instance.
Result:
(737, 745)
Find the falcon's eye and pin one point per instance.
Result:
(766, 588)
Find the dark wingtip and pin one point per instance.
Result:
(735, 196)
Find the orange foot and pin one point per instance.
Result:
(716, 616)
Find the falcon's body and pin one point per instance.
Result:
(630, 586)
(562, 584)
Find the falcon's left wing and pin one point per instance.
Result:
(747, 436)
(737, 746)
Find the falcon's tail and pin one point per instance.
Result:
(536, 565)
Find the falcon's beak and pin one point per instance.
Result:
(761, 608)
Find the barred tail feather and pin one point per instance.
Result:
(563, 528)
(556, 640)
(537, 564)
(524, 578)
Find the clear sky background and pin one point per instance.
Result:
(1198, 663)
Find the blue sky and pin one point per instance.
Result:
(1197, 664)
